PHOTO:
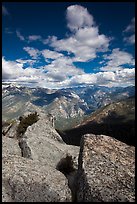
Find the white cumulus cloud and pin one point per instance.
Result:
(117, 59)
(30, 62)
(82, 45)
(48, 54)
(14, 71)
(34, 53)
(78, 17)
(10, 69)
(126, 77)
(85, 40)
(62, 68)
(52, 76)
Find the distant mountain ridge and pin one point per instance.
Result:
(61, 103)
(116, 119)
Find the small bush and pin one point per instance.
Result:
(65, 165)
(25, 122)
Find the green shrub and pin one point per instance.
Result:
(25, 122)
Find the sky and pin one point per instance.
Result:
(58, 44)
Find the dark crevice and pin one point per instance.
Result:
(66, 166)
(4, 132)
(25, 149)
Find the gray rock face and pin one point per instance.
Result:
(42, 143)
(29, 165)
(43, 127)
(10, 131)
(10, 147)
(106, 167)
(27, 181)
(106, 170)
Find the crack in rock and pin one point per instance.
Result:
(25, 149)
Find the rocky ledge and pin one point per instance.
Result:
(106, 171)
(39, 167)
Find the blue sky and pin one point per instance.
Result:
(55, 45)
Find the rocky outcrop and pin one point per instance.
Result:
(10, 147)
(29, 165)
(42, 143)
(27, 181)
(39, 167)
(106, 170)
(12, 132)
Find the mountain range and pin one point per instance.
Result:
(116, 120)
(62, 103)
